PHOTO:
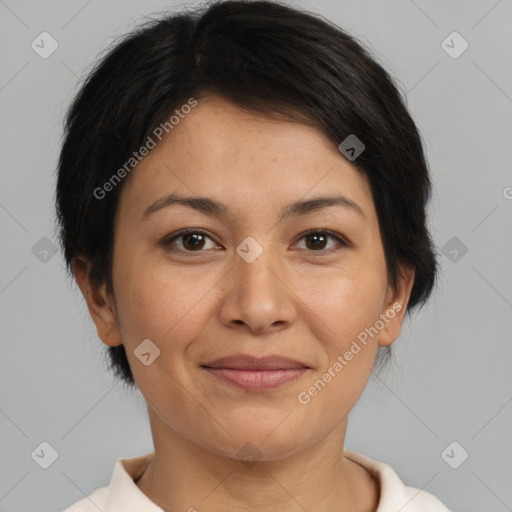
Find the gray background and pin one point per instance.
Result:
(450, 378)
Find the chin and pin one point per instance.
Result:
(263, 444)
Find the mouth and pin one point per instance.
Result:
(255, 374)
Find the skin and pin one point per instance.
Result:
(293, 300)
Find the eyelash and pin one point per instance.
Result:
(167, 242)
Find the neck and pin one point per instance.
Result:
(185, 476)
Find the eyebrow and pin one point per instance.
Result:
(214, 208)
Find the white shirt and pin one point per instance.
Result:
(123, 495)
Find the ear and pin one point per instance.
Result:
(395, 307)
(101, 304)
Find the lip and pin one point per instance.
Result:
(256, 380)
(253, 363)
(256, 373)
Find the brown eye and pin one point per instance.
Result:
(190, 241)
(193, 241)
(316, 241)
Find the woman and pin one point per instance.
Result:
(242, 200)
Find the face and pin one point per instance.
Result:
(249, 279)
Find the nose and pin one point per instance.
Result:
(257, 297)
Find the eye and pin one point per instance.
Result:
(317, 239)
(192, 240)
(195, 240)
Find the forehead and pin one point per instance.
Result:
(243, 159)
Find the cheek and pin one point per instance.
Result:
(344, 303)
(344, 309)
(166, 308)
(160, 303)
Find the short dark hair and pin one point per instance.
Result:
(263, 56)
